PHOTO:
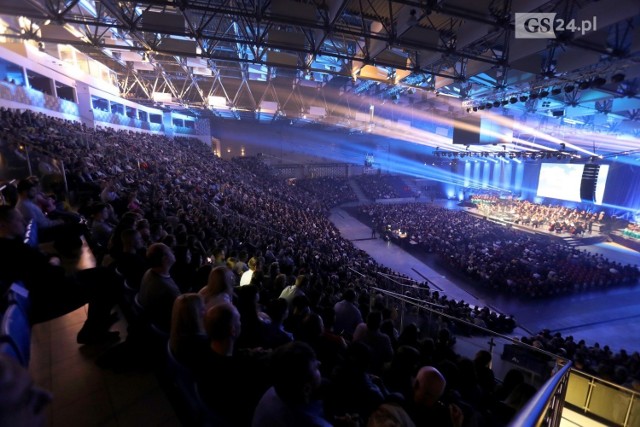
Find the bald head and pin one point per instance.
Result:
(428, 386)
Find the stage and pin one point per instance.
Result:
(628, 242)
(586, 238)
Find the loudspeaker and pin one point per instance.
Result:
(588, 182)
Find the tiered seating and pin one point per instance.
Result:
(15, 330)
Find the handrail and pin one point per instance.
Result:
(535, 412)
(512, 340)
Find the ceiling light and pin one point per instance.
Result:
(556, 91)
(496, 104)
(505, 102)
(523, 98)
(598, 81)
(533, 95)
(481, 107)
(544, 93)
(489, 106)
(513, 100)
(586, 84)
(475, 109)
(568, 88)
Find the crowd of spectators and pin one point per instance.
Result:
(183, 227)
(498, 257)
(331, 191)
(174, 220)
(620, 367)
(377, 187)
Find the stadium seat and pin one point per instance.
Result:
(15, 328)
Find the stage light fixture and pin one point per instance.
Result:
(505, 102)
(481, 107)
(475, 109)
(523, 98)
(489, 106)
(585, 84)
(598, 81)
(556, 91)
(544, 93)
(513, 100)
(496, 104)
(533, 95)
(568, 88)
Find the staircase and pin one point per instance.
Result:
(359, 193)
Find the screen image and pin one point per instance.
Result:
(563, 181)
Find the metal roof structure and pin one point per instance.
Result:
(330, 63)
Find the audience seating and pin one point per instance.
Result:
(16, 331)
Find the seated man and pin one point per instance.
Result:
(158, 291)
(52, 292)
(64, 234)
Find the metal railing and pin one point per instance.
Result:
(545, 408)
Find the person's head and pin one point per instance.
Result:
(350, 295)
(27, 188)
(131, 240)
(218, 254)
(187, 317)
(253, 263)
(482, 358)
(223, 326)
(295, 372)
(428, 386)
(278, 309)
(11, 223)
(160, 255)
(221, 281)
(21, 402)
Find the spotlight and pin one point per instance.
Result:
(468, 110)
(533, 95)
(496, 104)
(568, 88)
(598, 81)
(617, 78)
(475, 109)
(523, 98)
(583, 85)
(489, 105)
(481, 107)
(544, 93)
(513, 100)
(556, 91)
(505, 102)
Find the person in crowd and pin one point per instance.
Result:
(348, 315)
(370, 334)
(187, 337)
(219, 287)
(158, 291)
(230, 381)
(425, 408)
(52, 291)
(274, 334)
(293, 400)
(253, 264)
(296, 289)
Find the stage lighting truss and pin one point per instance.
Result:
(533, 155)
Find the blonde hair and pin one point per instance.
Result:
(187, 319)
